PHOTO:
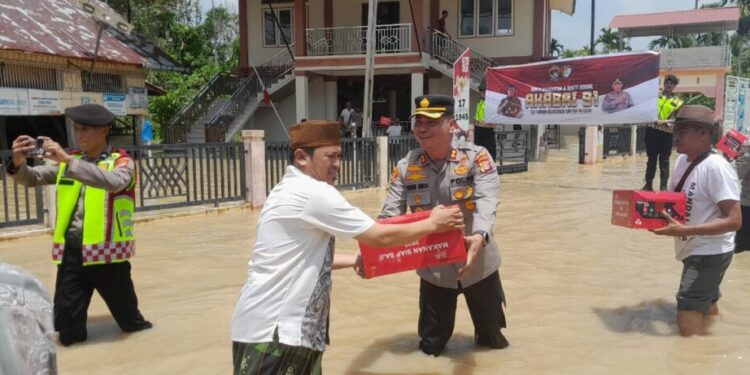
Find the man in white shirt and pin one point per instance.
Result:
(280, 323)
(705, 243)
(346, 116)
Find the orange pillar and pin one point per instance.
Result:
(327, 13)
(538, 35)
(418, 27)
(300, 25)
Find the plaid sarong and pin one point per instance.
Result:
(274, 358)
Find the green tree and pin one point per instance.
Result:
(555, 48)
(676, 41)
(611, 41)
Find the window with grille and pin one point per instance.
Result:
(103, 82)
(485, 17)
(28, 77)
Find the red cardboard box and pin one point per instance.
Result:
(731, 143)
(642, 209)
(432, 250)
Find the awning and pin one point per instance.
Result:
(691, 21)
(153, 56)
(566, 6)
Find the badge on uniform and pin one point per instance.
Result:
(459, 194)
(470, 205)
(416, 177)
(423, 159)
(461, 170)
(394, 175)
(485, 164)
(414, 168)
(454, 154)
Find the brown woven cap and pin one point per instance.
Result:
(696, 113)
(316, 133)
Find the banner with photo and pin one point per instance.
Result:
(609, 89)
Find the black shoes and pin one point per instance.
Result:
(648, 187)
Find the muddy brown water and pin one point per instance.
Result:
(584, 297)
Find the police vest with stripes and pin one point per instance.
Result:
(107, 220)
(667, 108)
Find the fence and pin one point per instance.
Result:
(358, 163)
(617, 141)
(398, 147)
(512, 151)
(395, 38)
(188, 174)
(640, 140)
(20, 205)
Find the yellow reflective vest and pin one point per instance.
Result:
(479, 114)
(107, 220)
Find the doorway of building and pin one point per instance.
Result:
(387, 14)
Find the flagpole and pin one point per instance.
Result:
(263, 86)
(369, 69)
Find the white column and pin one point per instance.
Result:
(417, 89)
(255, 169)
(332, 105)
(301, 92)
(592, 148)
(633, 139)
(383, 171)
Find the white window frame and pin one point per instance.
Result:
(495, 32)
(279, 39)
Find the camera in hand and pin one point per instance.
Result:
(38, 150)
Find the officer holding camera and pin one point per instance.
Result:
(93, 235)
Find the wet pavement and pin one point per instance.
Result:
(584, 297)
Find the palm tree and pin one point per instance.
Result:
(744, 26)
(555, 48)
(611, 41)
(676, 41)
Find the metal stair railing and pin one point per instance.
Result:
(179, 126)
(269, 72)
(446, 50)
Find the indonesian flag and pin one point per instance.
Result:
(266, 98)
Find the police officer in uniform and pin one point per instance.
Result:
(446, 171)
(658, 136)
(484, 133)
(91, 246)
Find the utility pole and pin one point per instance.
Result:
(369, 69)
(591, 42)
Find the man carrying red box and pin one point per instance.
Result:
(280, 323)
(447, 171)
(705, 243)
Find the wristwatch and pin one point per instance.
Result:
(485, 237)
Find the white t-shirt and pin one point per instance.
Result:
(346, 114)
(712, 181)
(289, 280)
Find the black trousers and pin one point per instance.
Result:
(75, 286)
(658, 147)
(437, 313)
(485, 137)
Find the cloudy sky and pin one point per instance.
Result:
(574, 32)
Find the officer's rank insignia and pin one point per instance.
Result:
(454, 154)
(484, 163)
(470, 205)
(123, 161)
(461, 170)
(423, 159)
(469, 191)
(424, 103)
(459, 194)
(395, 174)
(416, 177)
(417, 199)
(414, 168)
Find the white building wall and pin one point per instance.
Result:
(265, 118)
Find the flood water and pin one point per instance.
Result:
(584, 297)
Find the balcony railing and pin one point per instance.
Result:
(333, 41)
(695, 57)
(447, 50)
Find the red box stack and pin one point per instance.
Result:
(731, 143)
(434, 249)
(642, 209)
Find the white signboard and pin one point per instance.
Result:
(138, 97)
(115, 103)
(737, 104)
(44, 102)
(461, 89)
(14, 102)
